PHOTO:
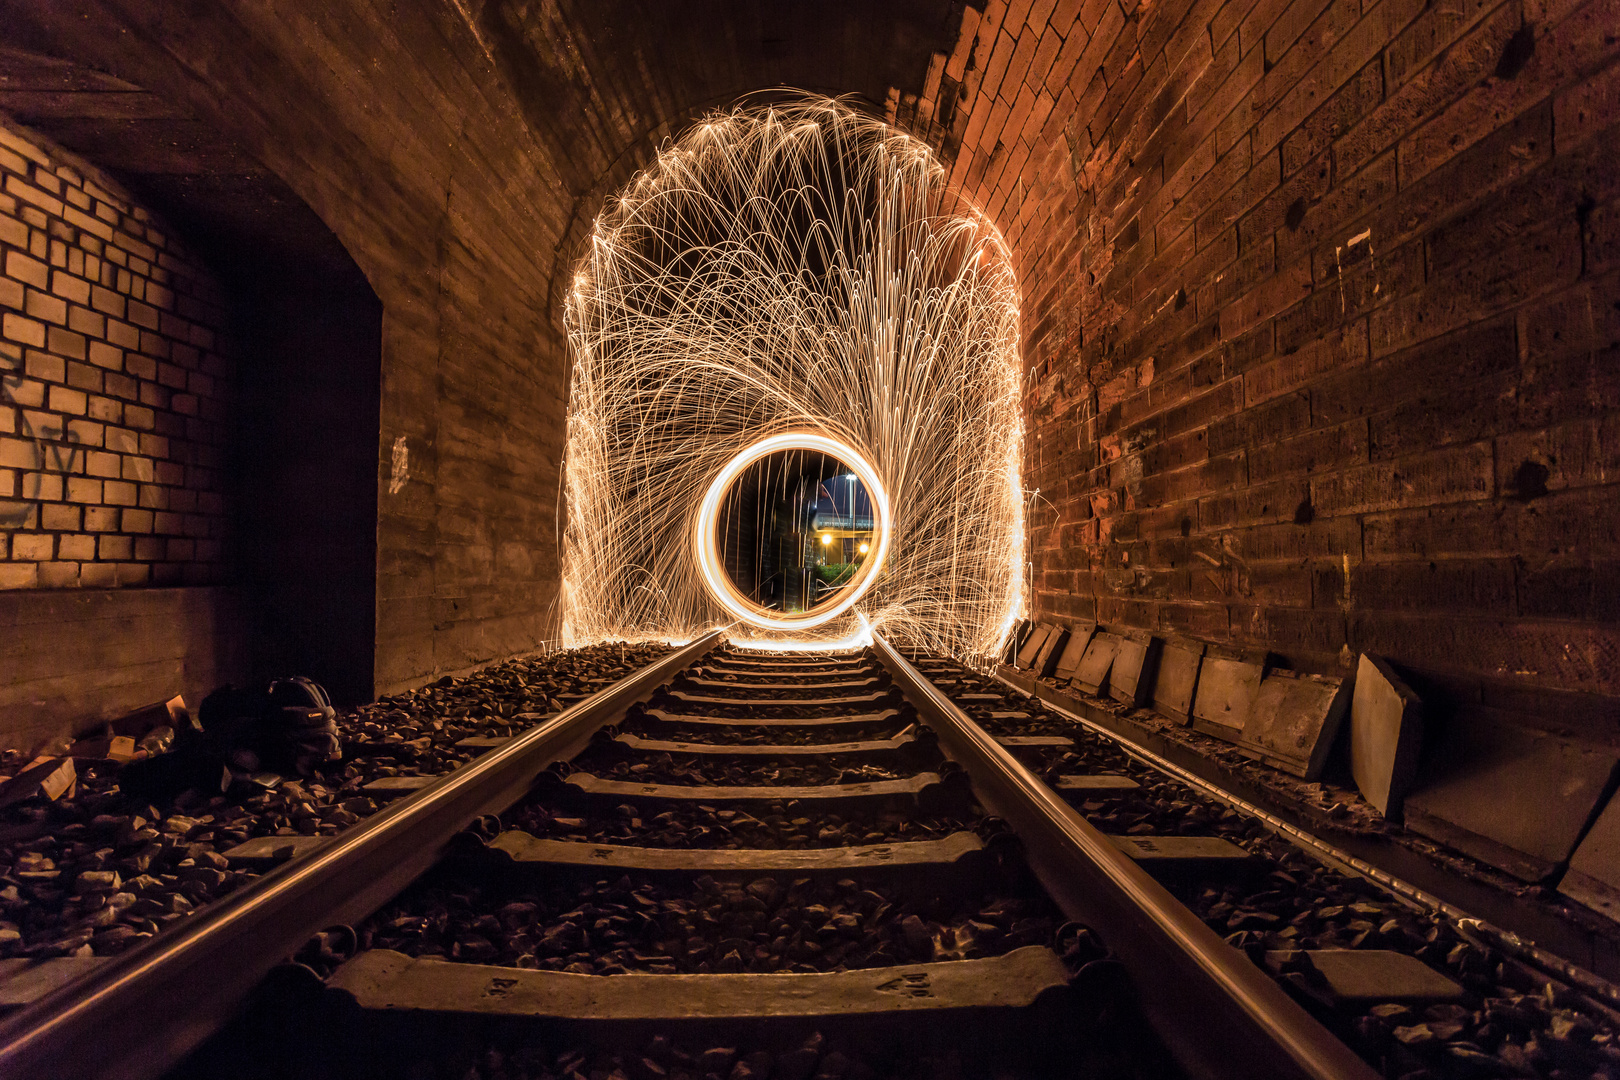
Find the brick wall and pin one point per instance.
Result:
(1322, 301)
(1317, 293)
(112, 386)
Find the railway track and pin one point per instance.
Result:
(801, 861)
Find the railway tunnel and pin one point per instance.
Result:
(1286, 467)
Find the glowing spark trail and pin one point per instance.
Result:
(795, 268)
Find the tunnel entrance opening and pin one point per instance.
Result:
(796, 270)
(792, 532)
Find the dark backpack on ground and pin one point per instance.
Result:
(286, 726)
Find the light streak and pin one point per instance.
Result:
(797, 269)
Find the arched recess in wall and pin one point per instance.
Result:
(794, 269)
(300, 473)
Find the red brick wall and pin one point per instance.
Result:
(111, 386)
(1322, 301)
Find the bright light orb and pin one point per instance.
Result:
(707, 550)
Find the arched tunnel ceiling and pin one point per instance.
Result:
(237, 213)
(581, 94)
(607, 83)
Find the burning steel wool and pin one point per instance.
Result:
(795, 278)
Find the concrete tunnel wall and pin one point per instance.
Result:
(1320, 298)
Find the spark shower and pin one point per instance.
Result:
(801, 270)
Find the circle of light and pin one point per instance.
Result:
(707, 550)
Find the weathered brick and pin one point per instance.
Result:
(1587, 109)
(77, 547)
(1477, 353)
(1280, 291)
(1530, 464)
(1581, 319)
(1331, 539)
(1262, 178)
(59, 516)
(1451, 475)
(1333, 118)
(1600, 238)
(1280, 500)
(1512, 217)
(1464, 586)
(45, 307)
(1561, 52)
(23, 330)
(1344, 293)
(1480, 288)
(1336, 350)
(26, 270)
(1510, 153)
(58, 575)
(33, 547)
(1464, 412)
(1556, 654)
(1315, 451)
(1310, 639)
(115, 548)
(1424, 94)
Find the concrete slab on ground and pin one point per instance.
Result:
(1508, 795)
(1092, 674)
(391, 786)
(656, 746)
(772, 721)
(857, 682)
(23, 982)
(1168, 856)
(1386, 735)
(1227, 688)
(1294, 721)
(1593, 877)
(590, 784)
(1095, 784)
(870, 698)
(1130, 680)
(1047, 658)
(1178, 678)
(1367, 976)
(523, 849)
(1032, 645)
(268, 850)
(1069, 660)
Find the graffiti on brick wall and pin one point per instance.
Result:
(54, 452)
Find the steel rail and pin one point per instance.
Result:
(1219, 1015)
(1602, 994)
(140, 1013)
